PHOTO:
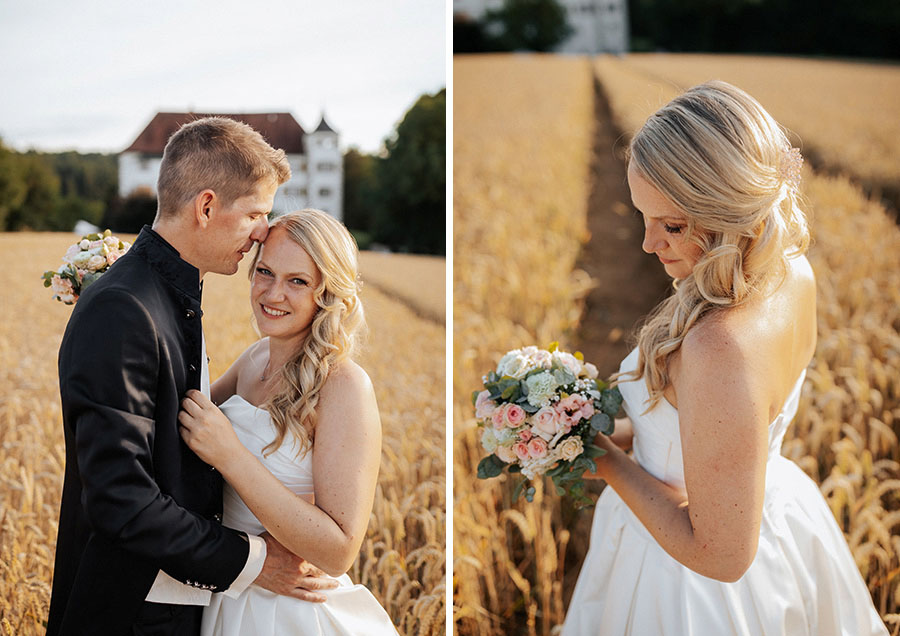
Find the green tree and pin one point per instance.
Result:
(411, 209)
(533, 25)
(360, 191)
(36, 211)
(12, 185)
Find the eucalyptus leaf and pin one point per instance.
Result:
(517, 491)
(601, 423)
(611, 401)
(490, 466)
(529, 494)
(89, 279)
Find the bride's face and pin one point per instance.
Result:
(665, 228)
(283, 286)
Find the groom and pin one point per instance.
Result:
(141, 545)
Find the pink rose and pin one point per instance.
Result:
(525, 435)
(484, 405)
(521, 450)
(545, 421)
(537, 448)
(515, 415)
(497, 418)
(112, 257)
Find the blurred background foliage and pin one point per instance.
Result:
(866, 28)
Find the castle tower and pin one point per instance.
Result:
(326, 170)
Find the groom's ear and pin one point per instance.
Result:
(204, 207)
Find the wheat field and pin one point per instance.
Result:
(403, 556)
(513, 562)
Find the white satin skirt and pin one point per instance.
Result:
(350, 610)
(803, 581)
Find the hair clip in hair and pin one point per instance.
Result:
(789, 168)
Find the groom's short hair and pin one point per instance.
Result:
(221, 154)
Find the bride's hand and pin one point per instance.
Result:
(206, 430)
(602, 463)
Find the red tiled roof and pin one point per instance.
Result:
(281, 130)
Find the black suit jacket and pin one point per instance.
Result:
(136, 499)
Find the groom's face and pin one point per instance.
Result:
(238, 226)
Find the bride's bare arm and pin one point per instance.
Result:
(623, 436)
(346, 457)
(713, 527)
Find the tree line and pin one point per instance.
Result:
(865, 28)
(395, 198)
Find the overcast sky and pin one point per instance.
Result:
(89, 75)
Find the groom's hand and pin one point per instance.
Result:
(287, 574)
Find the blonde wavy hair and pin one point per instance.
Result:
(720, 158)
(335, 328)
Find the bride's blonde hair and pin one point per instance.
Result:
(721, 159)
(335, 325)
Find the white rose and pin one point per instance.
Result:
(488, 440)
(506, 454)
(542, 358)
(96, 261)
(541, 386)
(591, 370)
(81, 259)
(513, 364)
(570, 448)
(532, 468)
(85, 244)
(569, 361)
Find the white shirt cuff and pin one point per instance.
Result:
(252, 568)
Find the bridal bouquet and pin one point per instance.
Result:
(540, 411)
(83, 263)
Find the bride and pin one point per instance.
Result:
(297, 436)
(708, 530)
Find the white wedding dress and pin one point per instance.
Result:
(803, 581)
(350, 610)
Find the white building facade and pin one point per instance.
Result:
(317, 167)
(598, 26)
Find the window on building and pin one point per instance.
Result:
(325, 166)
(324, 192)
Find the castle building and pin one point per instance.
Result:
(598, 26)
(317, 168)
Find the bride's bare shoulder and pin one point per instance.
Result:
(348, 394)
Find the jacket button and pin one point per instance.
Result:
(192, 368)
(218, 517)
(190, 313)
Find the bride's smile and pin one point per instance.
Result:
(283, 287)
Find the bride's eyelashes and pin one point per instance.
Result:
(673, 229)
(266, 272)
